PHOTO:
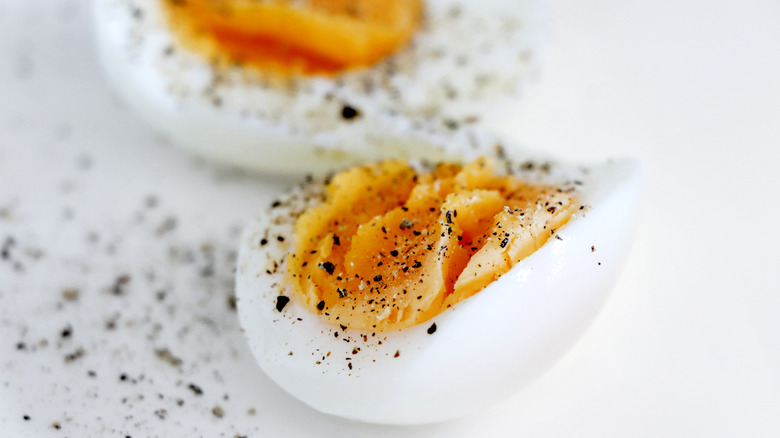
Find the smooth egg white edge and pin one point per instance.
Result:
(217, 132)
(485, 348)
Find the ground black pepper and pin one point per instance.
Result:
(281, 301)
(195, 389)
(349, 113)
(327, 267)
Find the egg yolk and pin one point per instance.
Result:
(298, 36)
(389, 248)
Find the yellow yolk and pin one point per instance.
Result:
(388, 248)
(298, 36)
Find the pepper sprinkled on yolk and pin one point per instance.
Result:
(390, 248)
(298, 36)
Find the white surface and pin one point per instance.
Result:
(687, 345)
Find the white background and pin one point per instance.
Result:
(687, 345)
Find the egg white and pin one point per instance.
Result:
(484, 349)
(462, 68)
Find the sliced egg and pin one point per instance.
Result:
(474, 353)
(462, 66)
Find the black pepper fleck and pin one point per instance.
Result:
(76, 355)
(327, 267)
(195, 389)
(165, 355)
(281, 301)
(349, 113)
(432, 329)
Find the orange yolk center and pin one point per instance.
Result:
(390, 248)
(295, 36)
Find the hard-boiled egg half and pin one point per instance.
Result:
(291, 86)
(406, 294)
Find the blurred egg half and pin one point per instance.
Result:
(429, 70)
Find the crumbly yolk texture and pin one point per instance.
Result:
(390, 248)
(295, 36)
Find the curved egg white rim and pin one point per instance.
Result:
(167, 95)
(507, 334)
